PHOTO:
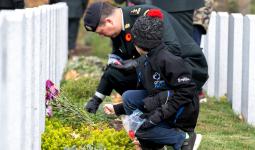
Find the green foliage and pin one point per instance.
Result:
(98, 136)
(86, 65)
(68, 107)
(69, 112)
(100, 46)
(79, 91)
(253, 6)
(233, 7)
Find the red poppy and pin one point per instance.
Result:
(155, 13)
(131, 134)
(128, 37)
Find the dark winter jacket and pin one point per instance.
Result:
(11, 4)
(177, 5)
(134, 2)
(162, 71)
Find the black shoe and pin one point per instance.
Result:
(193, 142)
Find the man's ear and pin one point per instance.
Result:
(108, 20)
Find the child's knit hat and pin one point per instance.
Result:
(147, 30)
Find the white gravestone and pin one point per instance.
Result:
(221, 54)
(210, 54)
(248, 83)
(36, 79)
(235, 61)
(14, 23)
(28, 52)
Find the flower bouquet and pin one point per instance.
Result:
(56, 100)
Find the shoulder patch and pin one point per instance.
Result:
(183, 79)
(135, 11)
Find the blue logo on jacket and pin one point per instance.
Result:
(158, 84)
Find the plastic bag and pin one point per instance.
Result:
(133, 122)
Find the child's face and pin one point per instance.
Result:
(140, 51)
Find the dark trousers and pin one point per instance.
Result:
(185, 18)
(161, 134)
(118, 80)
(73, 28)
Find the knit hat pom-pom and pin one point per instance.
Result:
(156, 13)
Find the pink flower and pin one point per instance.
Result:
(51, 91)
(49, 112)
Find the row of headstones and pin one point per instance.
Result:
(229, 47)
(33, 48)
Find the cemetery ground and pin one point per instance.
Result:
(71, 127)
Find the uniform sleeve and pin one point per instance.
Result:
(119, 1)
(19, 4)
(180, 82)
(137, 2)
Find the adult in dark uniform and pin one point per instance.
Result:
(116, 23)
(11, 4)
(130, 2)
(181, 10)
(76, 10)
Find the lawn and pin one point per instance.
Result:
(222, 129)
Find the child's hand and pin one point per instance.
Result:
(108, 109)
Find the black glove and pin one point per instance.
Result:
(19, 5)
(152, 102)
(147, 123)
(127, 65)
(93, 104)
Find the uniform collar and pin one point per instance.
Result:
(122, 21)
(127, 23)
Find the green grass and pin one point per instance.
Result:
(222, 129)
(100, 46)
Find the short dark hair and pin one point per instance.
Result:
(106, 11)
